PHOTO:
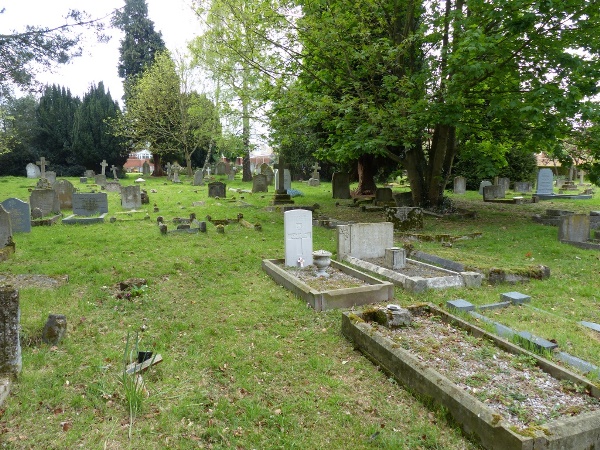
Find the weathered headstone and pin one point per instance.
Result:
(460, 185)
(504, 182)
(220, 168)
(364, 240)
(574, 228)
(216, 189)
(169, 171)
(297, 226)
(89, 174)
(287, 179)
(259, 183)
(112, 186)
(114, 171)
(313, 182)
(403, 198)
(315, 173)
(383, 195)
(64, 189)
(5, 228)
(544, 182)
(270, 174)
(51, 177)
(146, 168)
(131, 197)
(493, 192)
(263, 168)
(340, 185)
(33, 171)
(405, 218)
(20, 214)
(198, 178)
(54, 329)
(522, 186)
(175, 169)
(10, 343)
(100, 179)
(483, 184)
(83, 180)
(46, 200)
(89, 204)
(42, 163)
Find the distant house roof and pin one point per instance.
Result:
(544, 160)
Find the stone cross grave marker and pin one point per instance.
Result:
(42, 163)
(114, 171)
(10, 344)
(280, 187)
(104, 164)
(5, 228)
(33, 171)
(175, 169)
(297, 226)
(20, 214)
(315, 169)
(131, 197)
(544, 182)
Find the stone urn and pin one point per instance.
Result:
(321, 260)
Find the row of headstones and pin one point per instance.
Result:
(33, 171)
(460, 185)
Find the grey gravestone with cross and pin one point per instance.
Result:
(175, 169)
(297, 226)
(281, 196)
(104, 165)
(42, 163)
(114, 171)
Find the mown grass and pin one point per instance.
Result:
(247, 364)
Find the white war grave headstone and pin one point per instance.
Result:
(297, 226)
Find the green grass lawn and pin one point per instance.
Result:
(246, 365)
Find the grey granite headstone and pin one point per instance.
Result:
(460, 185)
(522, 186)
(545, 182)
(131, 197)
(51, 177)
(383, 195)
(297, 226)
(33, 171)
(46, 200)
(259, 183)
(89, 174)
(483, 184)
(340, 185)
(10, 343)
(220, 168)
(216, 189)
(64, 189)
(100, 179)
(270, 174)
(287, 179)
(146, 168)
(198, 178)
(89, 204)
(20, 214)
(5, 228)
(574, 228)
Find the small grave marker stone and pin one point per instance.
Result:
(383, 195)
(460, 185)
(89, 204)
(89, 174)
(33, 171)
(493, 192)
(270, 174)
(522, 186)
(198, 178)
(51, 177)
(100, 179)
(131, 197)
(20, 214)
(217, 189)
(259, 183)
(297, 225)
(46, 200)
(146, 168)
(574, 228)
(483, 184)
(220, 168)
(340, 185)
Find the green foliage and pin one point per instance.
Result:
(17, 134)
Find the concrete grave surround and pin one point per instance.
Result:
(89, 204)
(287, 179)
(33, 171)
(574, 228)
(259, 183)
(46, 200)
(460, 185)
(297, 230)
(131, 197)
(340, 185)
(64, 189)
(10, 345)
(5, 228)
(217, 189)
(20, 214)
(483, 184)
(545, 182)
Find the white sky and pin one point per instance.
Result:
(173, 18)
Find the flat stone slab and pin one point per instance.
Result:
(516, 298)
(592, 325)
(498, 305)
(83, 220)
(472, 415)
(538, 342)
(460, 305)
(46, 222)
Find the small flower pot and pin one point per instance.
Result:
(143, 356)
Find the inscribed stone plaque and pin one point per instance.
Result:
(259, 183)
(364, 240)
(46, 200)
(340, 185)
(483, 184)
(64, 189)
(297, 226)
(10, 344)
(33, 171)
(51, 176)
(100, 179)
(20, 214)
(89, 204)
(112, 186)
(131, 197)
(216, 189)
(198, 178)
(544, 182)
(5, 228)
(574, 228)
(460, 185)
(287, 179)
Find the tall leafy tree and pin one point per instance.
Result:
(93, 139)
(141, 43)
(17, 132)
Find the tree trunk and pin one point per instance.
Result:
(366, 175)
(158, 171)
(246, 173)
(188, 163)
